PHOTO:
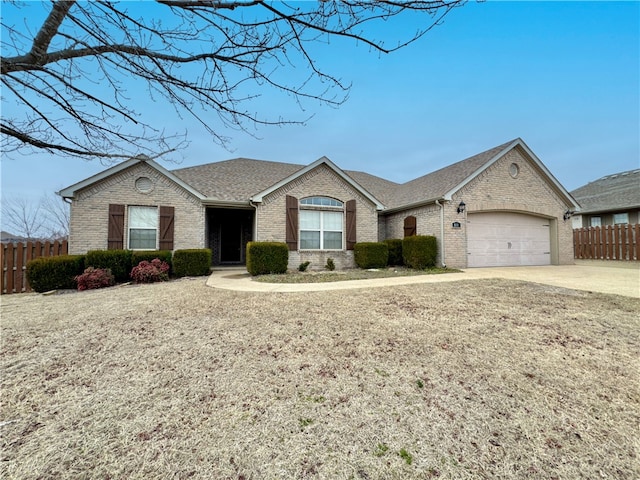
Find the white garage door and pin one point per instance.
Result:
(507, 239)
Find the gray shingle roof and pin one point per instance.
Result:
(618, 191)
(241, 178)
(235, 180)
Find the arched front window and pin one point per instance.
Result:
(321, 202)
(321, 223)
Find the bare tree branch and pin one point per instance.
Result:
(69, 88)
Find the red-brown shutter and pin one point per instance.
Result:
(166, 228)
(351, 224)
(410, 228)
(115, 235)
(292, 223)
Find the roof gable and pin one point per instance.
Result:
(70, 191)
(321, 161)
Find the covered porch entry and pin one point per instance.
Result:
(228, 232)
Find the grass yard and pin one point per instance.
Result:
(464, 380)
(324, 276)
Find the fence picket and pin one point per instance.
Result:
(609, 242)
(14, 260)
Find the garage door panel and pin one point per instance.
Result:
(507, 239)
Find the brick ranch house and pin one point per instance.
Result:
(513, 209)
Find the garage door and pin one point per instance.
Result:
(507, 239)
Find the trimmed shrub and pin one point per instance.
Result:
(303, 266)
(267, 257)
(371, 254)
(149, 272)
(419, 251)
(53, 273)
(331, 265)
(118, 261)
(192, 262)
(395, 251)
(139, 255)
(93, 278)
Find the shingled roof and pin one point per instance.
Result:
(619, 191)
(239, 179)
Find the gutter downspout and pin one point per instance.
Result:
(442, 249)
(255, 220)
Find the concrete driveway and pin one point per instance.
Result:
(619, 279)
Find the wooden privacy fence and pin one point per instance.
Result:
(14, 258)
(610, 242)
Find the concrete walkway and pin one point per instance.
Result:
(604, 278)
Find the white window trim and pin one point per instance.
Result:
(322, 210)
(157, 228)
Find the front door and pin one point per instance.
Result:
(229, 231)
(231, 241)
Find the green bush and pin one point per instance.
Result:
(331, 265)
(53, 273)
(371, 254)
(395, 251)
(267, 257)
(192, 262)
(138, 256)
(419, 251)
(303, 266)
(118, 261)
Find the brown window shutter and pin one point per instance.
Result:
(166, 228)
(115, 235)
(410, 228)
(292, 223)
(351, 224)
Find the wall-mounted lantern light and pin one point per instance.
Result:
(567, 215)
(461, 206)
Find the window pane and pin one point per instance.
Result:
(321, 202)
(143, 217)
(332, 221)
(333, 240)
(596, 222)
(619, 218)
(309, 220)
(142, 239)
(309, 240)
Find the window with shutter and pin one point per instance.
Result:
(321, 223)
(143, 228)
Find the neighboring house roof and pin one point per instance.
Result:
(7, 237)
(240, 180)
(619, 191)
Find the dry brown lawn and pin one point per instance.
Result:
(469, 379)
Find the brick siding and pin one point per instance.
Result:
(323, 182)
(494, 190)
(90, 209)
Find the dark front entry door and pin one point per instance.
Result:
(231, 241)
(229, 232)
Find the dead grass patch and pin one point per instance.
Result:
(470, 379)
(323, 276)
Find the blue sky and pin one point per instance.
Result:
(563, 76)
